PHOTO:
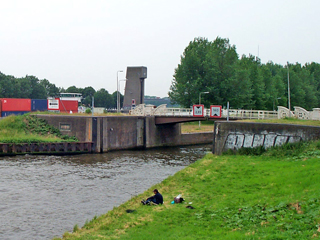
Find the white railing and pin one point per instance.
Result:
(249, 114)
(162, 110)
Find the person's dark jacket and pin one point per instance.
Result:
(157, 198)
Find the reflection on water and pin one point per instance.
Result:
(43, 196)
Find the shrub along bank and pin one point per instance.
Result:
(274, 195)
(29, 129)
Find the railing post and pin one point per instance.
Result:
(227, 111)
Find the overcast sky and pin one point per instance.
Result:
(85, 42)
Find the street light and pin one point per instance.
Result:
(200, 104)
(289, 103)
(275, 100)
(120, 93)
(118, 105)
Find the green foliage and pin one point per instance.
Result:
(214, 67)
(27, 87)
(102, 98)
(88, 110)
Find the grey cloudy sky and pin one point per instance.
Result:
(85, 42)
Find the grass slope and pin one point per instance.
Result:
(29, 129)
(272, 196)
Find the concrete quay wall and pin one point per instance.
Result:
(110, 133)
(235, 135)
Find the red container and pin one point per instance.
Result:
(68, 106)
(63, 105)
(15, 104)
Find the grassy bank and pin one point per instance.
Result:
(208, 126)
(272, 196)
(29, 129)
(193, 127)
(286, 121)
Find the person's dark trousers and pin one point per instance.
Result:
(151, 200)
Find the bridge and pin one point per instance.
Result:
(164, 115)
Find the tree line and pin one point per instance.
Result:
(244, 82)
(34, 88)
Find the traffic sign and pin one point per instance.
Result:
(215, 111)
(198, 110)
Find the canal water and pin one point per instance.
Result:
(41, 197)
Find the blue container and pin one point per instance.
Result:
(39, 105)
(8, 113)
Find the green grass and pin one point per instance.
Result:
(286, 121)
(29, 129)
(275, 195)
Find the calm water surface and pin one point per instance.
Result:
(41, 197)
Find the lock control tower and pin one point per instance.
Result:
(134, 89)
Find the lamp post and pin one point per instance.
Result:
(118, 107)
(200, 104)
(275, 100)
(289, 102)
(120, 93)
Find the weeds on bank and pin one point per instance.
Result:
(29, 129)
(274, 195)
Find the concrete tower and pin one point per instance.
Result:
(134, 91)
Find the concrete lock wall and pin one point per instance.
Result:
(235, 135)
(78, 126)
(124, 132)
(196, 138)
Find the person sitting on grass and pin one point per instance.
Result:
(156, 198)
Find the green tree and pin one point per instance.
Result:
(37, 91)
(314, 70)
(114, 100)
(74, 89)
(225, 59)
(204, 67)
(297, 92)
(7, 86)
(241, 89)
(102, 98)
(307, 83)
(189, 75)
(50, 89)
(87, 94)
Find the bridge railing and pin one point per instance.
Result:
(178, 112)
(233, 113)
(162, 110)
(249, 114)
